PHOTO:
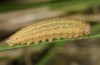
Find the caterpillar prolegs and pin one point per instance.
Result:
(50, 29)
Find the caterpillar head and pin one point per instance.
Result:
(86, 29)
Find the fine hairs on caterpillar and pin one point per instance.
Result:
(55, 28)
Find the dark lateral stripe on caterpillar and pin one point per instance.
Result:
(55, 28)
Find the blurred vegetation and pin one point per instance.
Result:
(67, 5)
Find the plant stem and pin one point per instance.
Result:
(51, 53)
(6, 47)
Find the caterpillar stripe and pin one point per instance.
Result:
(50, 29)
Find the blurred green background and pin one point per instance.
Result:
(16, 14)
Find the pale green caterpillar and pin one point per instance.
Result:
(50, 29)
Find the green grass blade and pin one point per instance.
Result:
(51, 53)
(6, 47)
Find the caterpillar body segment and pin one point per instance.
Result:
(50, 29)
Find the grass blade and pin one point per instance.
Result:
(6, 47)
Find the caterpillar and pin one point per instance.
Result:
(55, 28)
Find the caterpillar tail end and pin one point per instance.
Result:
(8, 42)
